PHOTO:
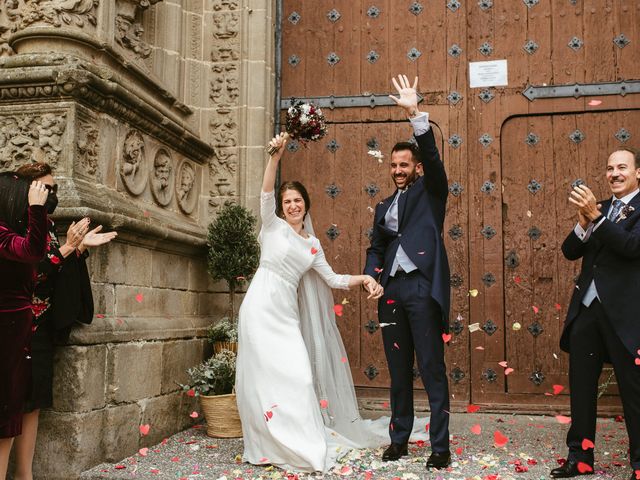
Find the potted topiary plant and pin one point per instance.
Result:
(223, 335)
(234, 252)
(213, 382)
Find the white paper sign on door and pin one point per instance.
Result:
(488, 74)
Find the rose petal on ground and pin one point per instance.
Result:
(499, 439)
(637, 472)
(338, 310)
(139, 298)
(99, 315)
(143, 451)
(562, 419)
(584, 467)
(144, 429)
(587, 444)
(472, 408)
(120, 467)
(426, 427)
(509, 370)
(476, 429)
(557, 389)
(446, 337)
(324, 404)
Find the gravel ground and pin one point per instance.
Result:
(535, 445)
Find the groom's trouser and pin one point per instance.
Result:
(407, 303)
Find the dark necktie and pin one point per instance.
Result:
(615, 210)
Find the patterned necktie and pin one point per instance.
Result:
(615, 211)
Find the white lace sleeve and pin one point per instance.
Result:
(321, 266)
(268, 208)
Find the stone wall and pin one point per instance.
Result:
(154, 114)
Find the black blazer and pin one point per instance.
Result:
(421, 211)
(611, 257)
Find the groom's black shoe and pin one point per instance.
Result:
(394, 452)
(568, 470)
(439, 460)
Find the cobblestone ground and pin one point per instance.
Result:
(535, 445)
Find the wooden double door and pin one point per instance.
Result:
(510, 161)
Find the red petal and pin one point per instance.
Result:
(143, 451)
(144, 429)
(507, 371)
(594, 103)
(557, 389)
(472, 408)
(584, 467)
(476, 429)
(338, 309)
(314, 251)
(499, 439)
(191, 393)
(194, 415)
(395, 345)
(503, 364)
(563, 419)
(459, 451)
(446, 337)
(139, 298)
(377, 270)
(587, 444)
(535, 309)
(390, 302)
(324, 404)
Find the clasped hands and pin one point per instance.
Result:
(374, 288)
(588, 209)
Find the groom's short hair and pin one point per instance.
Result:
(411, 146)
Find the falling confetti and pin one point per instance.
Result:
(143, 451)
(558, 306)
(480, 347)
(476, 429)
(395, 345)
(338, 310)
(99, 315)
(344, 301)
(584, 467)
(382, 325)
(377, 270)
(587, 444)
(324, 404)
(507, 371)
(594, 103)
(139, 298)
(562, 419)
(268, 415)
(474, 327)
(390, 302)
(503, 364)
(194, 415)
(473, 292)
(144, 429)
(535, 309)
(516, 326)
(472, 408)
(446, 337)
(314, 250)
(557, 389)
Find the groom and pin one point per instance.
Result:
(407, 253)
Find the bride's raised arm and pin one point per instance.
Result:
(269, 179)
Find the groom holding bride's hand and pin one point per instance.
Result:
(408, 256)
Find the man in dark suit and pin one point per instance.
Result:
(603, 321)
(408, 256)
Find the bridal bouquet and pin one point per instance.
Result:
(305, 122)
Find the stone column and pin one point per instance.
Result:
(153, 114)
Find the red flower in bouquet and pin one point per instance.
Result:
(305, 122)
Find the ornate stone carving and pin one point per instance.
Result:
(31, 138)
(129, 30)
(186, 187)
(162, 177)
(78, 13)
(222, 188)
(5, 49)
(225, 162)
(224, 129)
(87, 147)
(133, 171)
(225, 25)
(224, 86)
(225, 5)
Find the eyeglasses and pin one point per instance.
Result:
(52, 188)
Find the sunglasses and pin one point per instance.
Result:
(52, 188)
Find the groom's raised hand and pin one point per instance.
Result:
(408, 95)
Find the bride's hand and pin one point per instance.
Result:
(278, 142)
(374, 288)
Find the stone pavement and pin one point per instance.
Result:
(535, 445)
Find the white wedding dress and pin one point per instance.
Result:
(294, 388)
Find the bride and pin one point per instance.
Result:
(294, 388)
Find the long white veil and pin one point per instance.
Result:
(331, 373)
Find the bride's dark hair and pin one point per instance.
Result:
(298, 187)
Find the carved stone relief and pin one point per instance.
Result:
(133, 171)
(129, 30)
(162, 178)
(224, 129)
(186, 187)
(224, 86)
(87, 147)
(77, 13)
(31, 138)
(225, 162)
(5, 49)
(225, 44)
(225, 5)
(225, 25)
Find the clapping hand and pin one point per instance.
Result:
(94, 239)
(374, 288)
(76, 232)
(583, 198)
(408, 95)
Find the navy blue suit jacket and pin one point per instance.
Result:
(611, 257)
(421, 211)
